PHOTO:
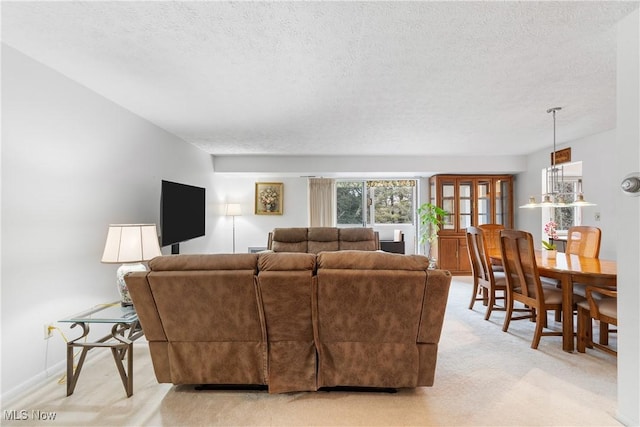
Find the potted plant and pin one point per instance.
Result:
(431, 217)
(550, 249)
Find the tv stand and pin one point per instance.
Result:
(175, 249)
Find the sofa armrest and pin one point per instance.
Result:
(145, 305)
(433, 306)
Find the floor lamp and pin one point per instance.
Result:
(233, 210)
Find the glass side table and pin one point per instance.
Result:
(126, 329)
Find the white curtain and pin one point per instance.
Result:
(322, 202)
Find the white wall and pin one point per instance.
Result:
(627, 150)
(606, 159)
(72, 162)
(252, 230)
(599, 184)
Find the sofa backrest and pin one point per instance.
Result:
(207, 286)
(288, 240)
(396, 326)
(387, 288)
(322, 239)
(361, 239)
(285, 283)
(208, 310)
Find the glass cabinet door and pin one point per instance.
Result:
(465, 199)
(483, 215)
(449, 205)
(502, 202)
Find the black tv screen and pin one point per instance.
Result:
(182, 212)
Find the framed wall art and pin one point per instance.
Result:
(269, 198)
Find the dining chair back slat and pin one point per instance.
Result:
(492, 242)
(492, 236)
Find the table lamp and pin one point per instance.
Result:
(130, 245)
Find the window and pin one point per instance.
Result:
(568, 217)
(375, 202)
(567, 186)
(349, 196)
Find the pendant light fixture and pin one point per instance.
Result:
(556, 193)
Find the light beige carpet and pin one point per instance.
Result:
(484, 377)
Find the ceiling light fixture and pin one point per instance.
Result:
(557, 191)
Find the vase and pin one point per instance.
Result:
(125, 298)
(549, 253)
(270, 207)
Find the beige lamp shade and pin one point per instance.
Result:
(233, 209)
(128, 243)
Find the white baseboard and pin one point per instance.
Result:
(37, 380)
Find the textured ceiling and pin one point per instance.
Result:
(322, 78)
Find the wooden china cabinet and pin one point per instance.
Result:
(470, 200)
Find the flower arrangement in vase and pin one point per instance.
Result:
(269, 199)
(550, 248)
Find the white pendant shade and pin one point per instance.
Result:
(555, 195)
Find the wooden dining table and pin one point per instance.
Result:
(569, 269)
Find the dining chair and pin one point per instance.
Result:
(492, 240)
(486, 282)
(524, 285)
(583, 240)
(602, 305)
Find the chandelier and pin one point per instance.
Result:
(557, 191)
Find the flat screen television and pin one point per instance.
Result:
(182, 213)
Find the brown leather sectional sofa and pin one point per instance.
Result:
(292, 321)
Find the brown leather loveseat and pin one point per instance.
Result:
(292, 321)
(317, 239)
